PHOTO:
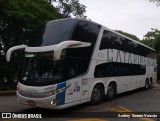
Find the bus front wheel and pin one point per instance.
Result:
(97, 94)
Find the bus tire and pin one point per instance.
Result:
(151, 83)
(147, 85)
(97, 94)
(111, 91)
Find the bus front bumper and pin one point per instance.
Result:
(47, 102)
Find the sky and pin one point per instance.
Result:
(132, 16)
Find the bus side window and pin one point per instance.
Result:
(75, 67)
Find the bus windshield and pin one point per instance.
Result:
(41, 69)
(53, 32)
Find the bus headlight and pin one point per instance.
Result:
(53, 92)
(50, 93)
(60, 90)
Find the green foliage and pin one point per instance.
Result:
(155, 1)
(69, 8)
(151, 37)
(157, 48)
(18, 18)
(149, 43)
(134, 37)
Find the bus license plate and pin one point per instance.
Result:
(32, 103)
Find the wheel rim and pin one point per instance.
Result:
(147, 85)
(110, 91)
(96, 94)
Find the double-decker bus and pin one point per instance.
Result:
(72, 61)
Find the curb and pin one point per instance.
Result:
(8, 92)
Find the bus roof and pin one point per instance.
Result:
(118, 33)
(75, 20)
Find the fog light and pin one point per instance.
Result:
(53, 102)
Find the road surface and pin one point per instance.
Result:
(140, 101)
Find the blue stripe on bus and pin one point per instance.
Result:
(60, 96)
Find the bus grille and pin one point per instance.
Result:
(32, 95)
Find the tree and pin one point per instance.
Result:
(18, 18)
(155, 1)
(150, 38)
(69, 8)
(134, 37)
(157, 48)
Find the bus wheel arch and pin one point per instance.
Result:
(97, 94)
(111, 91)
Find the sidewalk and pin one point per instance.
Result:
(8, 92)
(156, 86)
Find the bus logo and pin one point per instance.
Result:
(30, 94)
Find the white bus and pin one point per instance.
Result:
(73, 61)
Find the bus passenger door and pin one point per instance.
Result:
(84, 88)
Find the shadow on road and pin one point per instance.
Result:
(52, 113)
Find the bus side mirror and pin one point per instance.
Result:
(68, 44)
(8, 54)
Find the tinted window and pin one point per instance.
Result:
(53, 32)
(112, 40)
(78, 59)
(75, 64)
(118, 69)
(39, 69)
(86, 32)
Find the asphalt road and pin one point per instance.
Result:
(139, 101)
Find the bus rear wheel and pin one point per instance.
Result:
(111, 91)
(97, 94)
(147, 85)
